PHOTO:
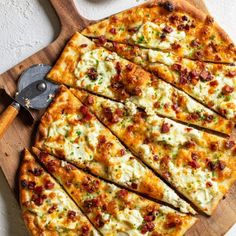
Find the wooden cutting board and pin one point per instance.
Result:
(21, 135)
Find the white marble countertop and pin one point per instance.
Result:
(29, 25)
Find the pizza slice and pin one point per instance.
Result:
(69, 131)
(87, 66)
(199, 165)
(212, 84)
(46, 208)
(168, 25)
(113, 210)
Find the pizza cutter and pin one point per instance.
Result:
(34, 91)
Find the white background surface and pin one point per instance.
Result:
(29, 25)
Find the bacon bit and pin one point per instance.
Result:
(167, 29)
(209, 118)
(231, 74)
(163, 36)
(123, 193)
(38, 200)
(36, 171)
(227, 90)
(223, 112)
(69, 167)
(24, 183)
(90, 185)
(71, 215)
(176, 67)
(214, 83)
(112, 118)
(85, 230)
(193, 164)
(229, 144)
(193, 74)
(165, 128)
(112, 31)
(184, 18)
(102, 39)
(87, 116)
(194, 156)
(129, 67)
(175, 46)
(84, 45)
(149, 217)
(119, 112)
(147, 227)
(136, 91)
(122, 152)
(89, 100)
(173, 19)
(133, 29)
(168, 6)
(181, 27)
(49, 185)
(221, 165)
(205, 76)
(189, 144)
(92, 74)
(98, 221)
(88, 204)
(31, 185)
(193, 116)
(209, 20)
(101, 139)
(194, 43)
(157, 105)
(38, 190)
(208, 184)
(155, 158)
(114, 18)
(130, 128)
(173, 221)
(51, 166)
(188, 129)
(134, 185)
(212, 166)
(214, 146)
(52, 209)
(118, 67)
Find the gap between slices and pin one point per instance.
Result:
(201, 166)
(88, 66)
(113, 210)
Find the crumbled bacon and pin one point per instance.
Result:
(89, 100)
(71, 215)
(194, 164)
(129, 67)
(85, 230)
(101, 139)
(92, 74)
(110, 116)
(227, 89)
(189, 144)
(173, 221)
(195, 43)
(155, 158)
(88, 204)
(133, 29)
(176, 67)
(112, 31)
(102, 39)
(209, 20)
(122, 152)
(184, 18)
(209, 118)
(167, 29)
(193, 116)
(221, 165)
(99, 221)
(149, 217)
(51, 166)
(90, 185)
(31, 185)
(208, 184)
(214, 146)
(38, 190)
(194, 156)
(119, 112)
(147, 227)
(134, 186)
(136, 91)
(175, 46)
(214, 83)
(205, 76)
(87, 116)
(212, 165)
(118, 67)
(165, 128)
(52, 209)
(36, 171)
(231, 73)
(49, 185)
(84, 45)
(123, 193)
(229, 144)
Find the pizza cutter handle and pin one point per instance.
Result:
(8, 116)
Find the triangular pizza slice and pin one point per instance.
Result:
(168, 25)
(87, 66)
(212, 84)
(113, 210)
(69, 131)
(46, 207)
(199, 165)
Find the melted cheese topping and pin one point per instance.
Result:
(149, 34)
(162, 57)
(103, 62)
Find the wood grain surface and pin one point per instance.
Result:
(21, 134)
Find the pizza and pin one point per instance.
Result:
(199, 165)
(69, 131)
(114, 210)
(95, 69)
(212, 84)
(168, 25)
(46, 208)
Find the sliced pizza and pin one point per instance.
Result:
(113, 210)
(168, 25)
(212, 84)
(199, 165)
(87, 66)
(46, 207)
(69, 131)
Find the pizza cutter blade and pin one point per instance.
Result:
(34, 92)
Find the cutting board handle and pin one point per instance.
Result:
(8, 116)
(69, 15)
